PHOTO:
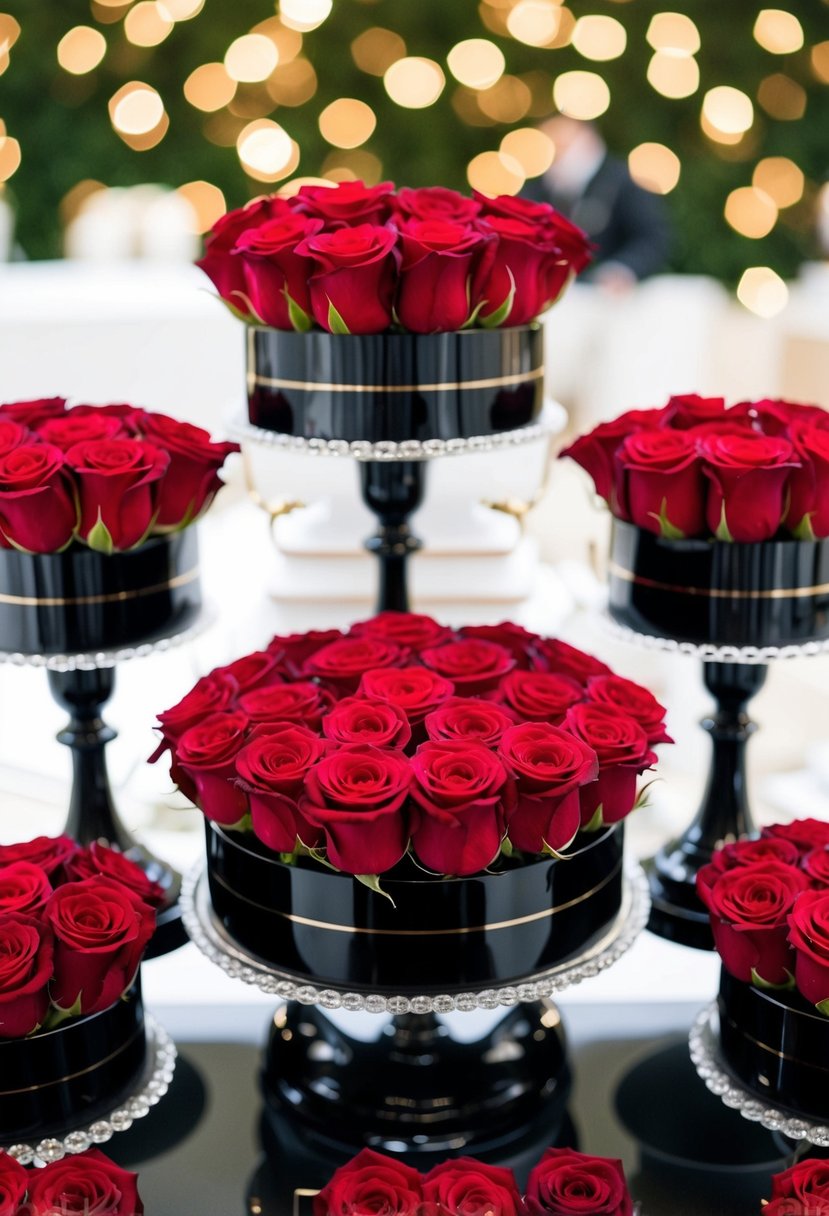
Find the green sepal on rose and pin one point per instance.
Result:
(758, 982)
(502, 312)
(823, 1007)
(666, 529)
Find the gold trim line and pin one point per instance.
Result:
(30, 1089)
(535, 373)
(718, 593)
(772, 1051)
(459, 932)
(111, 597)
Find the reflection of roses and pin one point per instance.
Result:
(371, 1184)
(565, 1183)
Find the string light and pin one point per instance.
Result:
(304, 14)
(81, 49)
(182, 10)
(10, 157)
(147, 23)
(532, 149)
(293, 84)
(477, 63)
(654, 167)
(762, 291)
(267, 151)
(778, 31)
(820, 61)
(353, 166)
(782, 98)
(209, 87)
(376, 49)
(728, 110)
(288, 42)
(599, 38)
(347, 122)
(534, 22)
(207, 203)
(251, 58)
(136, 109)
(583, 95)
(494, 173)
(9, 32)
(414, 82)
(781, 179)
(751, 212)
(673, 34)
(507, 101)
(672, 76)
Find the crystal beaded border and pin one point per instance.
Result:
(151, 1088)
(708, 652)
(95, 660)
(551, 421)
(704, 1043)
(216, 944)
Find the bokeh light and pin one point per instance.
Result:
(674, 34)
(599, 38)
(182, 10)
(288, 42)
(147, 23)
(751, 212)
(778, 31)
(728, 110)
(136, 109)
(762, 291)
(209, 87)
(672, 76)
(654, 167)
(476, 62)
(353, 166)
(251, 58)
(293, 84)
(533, 150)
(782, 98)
(10, 157)
(583, 95)
(507, 101)
(376, 49)
(304, 14)
(81, 49)
(820, 61)
(347, 122)
(9, 32)
(73, 201)
(494, 173)
(266, 150)
(781, 179)
(534, 22)
(414, 82)
(207, 202)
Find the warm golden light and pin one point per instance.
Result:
(533, 150)
(414, 82)
(507, 101)
(599, 38)
(728, 110)
(477, 63)
(182, 10)
(347, 122)
(207, 203)
(9, 32)
(81, 49)
(107, 12)
(353, 166)
(266, 150)
(9, 157)
(75, 199)
(493, 173)
(288, 42)
(209, 87)
(672, 76)
(762, 291)
(583, 95)
(782, 98)
(781, 179)
(778, 31)
(142, 141)
(654, 167)
(296, 183)
(304, 14)
(375, 50)
(251, 58)
(820, 61)
(674, 34)
(718, 136)
(293, 84)
(751, 212)
(534, 22)
(136, 109)
(147, 23)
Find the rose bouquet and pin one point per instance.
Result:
(563, 1182)
(74, 924)
(802, 1190)
(356, 259)
(461, 747)
(107, 477)
(753, 472)
(769, 905)
(74, 1186)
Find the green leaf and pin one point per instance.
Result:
(506, 847)
(473, 316)
(319, 857)
(758, 982)
(372, 881)
(99, 537)
(804, 530)
(245, 824)
(502, 313)
(299, 317)
(823, 1007)
(666, 528)
(597, 822)
(641, 797)
(335, 322)
(56, 1016)
(557, 853)
(722, 532)
(244, 316)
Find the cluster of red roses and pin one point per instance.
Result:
(359, 259)
(769, 906)
(73, 1186)
(406, 731)
(564, 1182)
(51, 892)
(802, 1190)
(695, 468)
(107, 475)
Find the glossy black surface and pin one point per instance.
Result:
(441, 934)
(393, 491)
(378, 387)
(775, 593)
(67, 1077)
(777, 1044)
(80, 600)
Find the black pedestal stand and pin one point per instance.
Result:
(393, 490)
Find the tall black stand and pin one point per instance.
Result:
(723, 816)
(92, 813)
(393, 490)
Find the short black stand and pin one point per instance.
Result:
(393, 490)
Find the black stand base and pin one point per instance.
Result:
(393, 490)
(677, 913)
(92, 813)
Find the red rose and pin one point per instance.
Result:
(515, 638)
(435, 203)
(252, 671)
(443, 265)
(303, 702)
(748, 475)
(26, 966)
(540, 696)
(12, 435)
(815, 864)
(549, 766)
(458, 818)
(356, 796)
(749, 909)
(690, 410)
(367, 720)
(224, 269)
(815, 1206)
(776, 417)
(371, 1185)
(411, 629)
(347, 203)
(632, 699)
(117, 486)
(807, 834)
(129, 416)
(272, 770)
(747, 852)
(192, 479)
(596, 451)
(207, 753)
(473, 665)
(527, 272)
(565, 1182)
(48, 852)
(37, 508)
(14, 1182)
(809, 935)
(808, 1179)
(71, 428)
(624, 753)
(86, 1185)
(571, 241)
(210, 694)
(465, 1187)
(24, 887)
(551, 654)
(31, 413)
(342, 663)
(276, 276)
(808, 514)
(467, 719)
(352, 289)
(662, 485)
(100, 859)
(294, 649)
(416, 690)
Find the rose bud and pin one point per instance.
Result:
(748, 475)
(566, 1182)
(458, 819)
(551, 654)
(206, 754)
(117, 485)
(256, 670)
(32, 413)
(624, 753)
(192, 480)
(749, 908)
(101, 930)
(342, 663)
(12, 435)
(689, 410)
(352, 289)
(410, 629)
(515, 638)
(371, 1183)
(225, 270)
(24, 887)
(807, 1180)
(100, 859)
(276, 276)
(356, 796)
(809, 935)
(805, 834)
(271, 770)
(129, 416)
(303, 702)
(26, 966)
(415, 690)
(14, 1182)
(211, 694)
(747, 852)
(465, 1187)
(435, 203)
(444, 263)
(88, 1183)
(348, 203)
(632, 699)
(294, 649)
(661, 483)
(771, 417)
(474, 666)
(807, 516)
(49, 852)
(549, 766)
(596, 452)
(367, 720)
(73, 427)
(540, 696)
(37, 508)
(468, 719)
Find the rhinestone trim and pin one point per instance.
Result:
(708, 652)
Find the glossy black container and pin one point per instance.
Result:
(71, 1076)
(777, 1044)
(441, 934)
(774, 593)
(393, 386)
(80, 600)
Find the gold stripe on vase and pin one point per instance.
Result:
(718, 593)
(109, 597)
(440, 386)
(71, 1076)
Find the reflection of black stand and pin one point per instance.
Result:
(393, 490)
(724, 815)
